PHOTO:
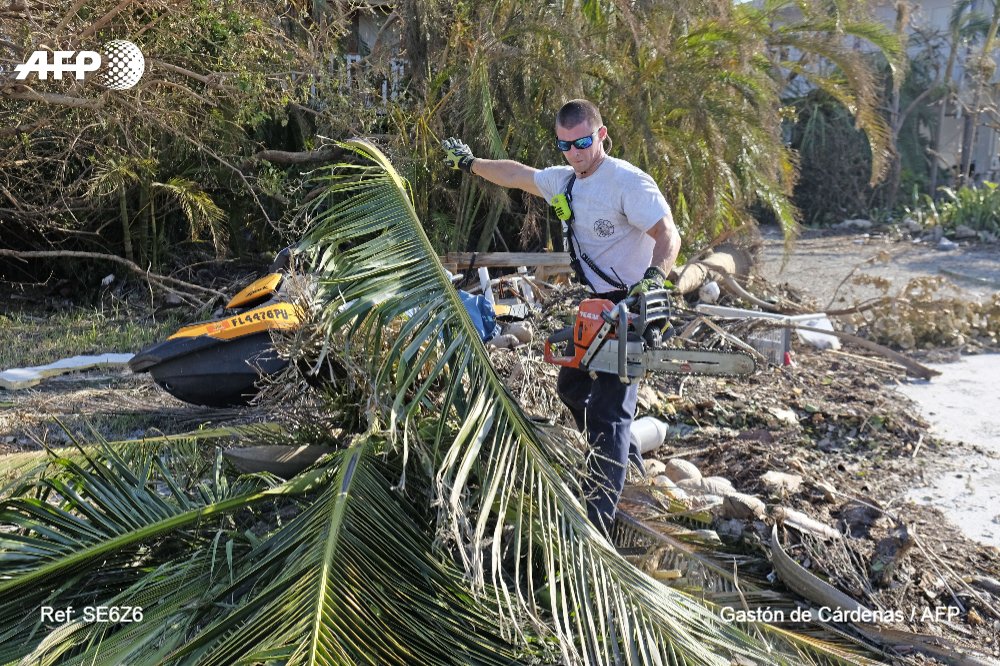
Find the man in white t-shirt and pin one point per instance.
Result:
(622, 234)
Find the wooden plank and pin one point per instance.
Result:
(506, 259)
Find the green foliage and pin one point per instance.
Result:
(198, 209)
(690, 93)
(214, 75)
(834, 162)
(975, 207)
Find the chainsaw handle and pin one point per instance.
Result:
(562, 335)
(622, 334)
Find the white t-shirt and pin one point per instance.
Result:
(613, 208)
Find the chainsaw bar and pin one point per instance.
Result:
(700, 362)
(639, 360)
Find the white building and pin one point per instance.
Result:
(930, 18)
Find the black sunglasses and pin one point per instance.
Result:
(582, 143)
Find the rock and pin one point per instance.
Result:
(946, 245)
(911, 225)
(519, 330)
(663, 482)
(718, 482)
(712, 485)
(655, 468)
(784, 415)
(677, 494)
(854, 225)
(963, 232)
(705, 501)
(668, 486)
(780, 483)
(709, 292)
(679, 469)
(744, 507)
(505, 341)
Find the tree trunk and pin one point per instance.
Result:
(727, 260)
(895, 119)
(984, 71)
(126, 230)
(949, 73)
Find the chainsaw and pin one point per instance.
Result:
(611, 338)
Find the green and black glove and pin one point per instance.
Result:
(653, 278)
(457, 154)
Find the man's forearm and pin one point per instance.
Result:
(667, 245)
(507, 173)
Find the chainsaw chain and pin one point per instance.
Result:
(708, 374)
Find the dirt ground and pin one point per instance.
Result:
(822, 265)
(832, 420)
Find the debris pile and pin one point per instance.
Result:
(812, 454)
(922, 316)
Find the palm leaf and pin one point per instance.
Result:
(349, 582)
(503, 487)
(80, 536)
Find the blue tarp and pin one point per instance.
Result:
(483, 316)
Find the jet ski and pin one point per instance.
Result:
(219, 363)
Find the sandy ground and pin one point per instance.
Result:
(963, 403)
(825, 266)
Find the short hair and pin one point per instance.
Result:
(577, 111)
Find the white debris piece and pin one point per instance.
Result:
(22, 378)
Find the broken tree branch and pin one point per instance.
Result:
(161, 281)
(29, 94)
(914, 368)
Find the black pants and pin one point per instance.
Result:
(603, 409)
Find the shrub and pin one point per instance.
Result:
(977, 208)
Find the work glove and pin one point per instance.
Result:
(457, 154)
(653, 278)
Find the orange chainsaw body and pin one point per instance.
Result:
(575, 340)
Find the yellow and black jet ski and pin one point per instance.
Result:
(219, 363)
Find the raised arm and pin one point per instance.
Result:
(506, 173)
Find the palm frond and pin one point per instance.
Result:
(79, 536)
(348, 582)
(198, 208)
(503, 488)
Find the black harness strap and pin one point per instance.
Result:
(574, 261)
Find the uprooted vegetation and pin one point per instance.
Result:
(923, 316)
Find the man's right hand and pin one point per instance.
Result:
(457, 154)
(653, 278)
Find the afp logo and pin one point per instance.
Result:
(125, 64)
